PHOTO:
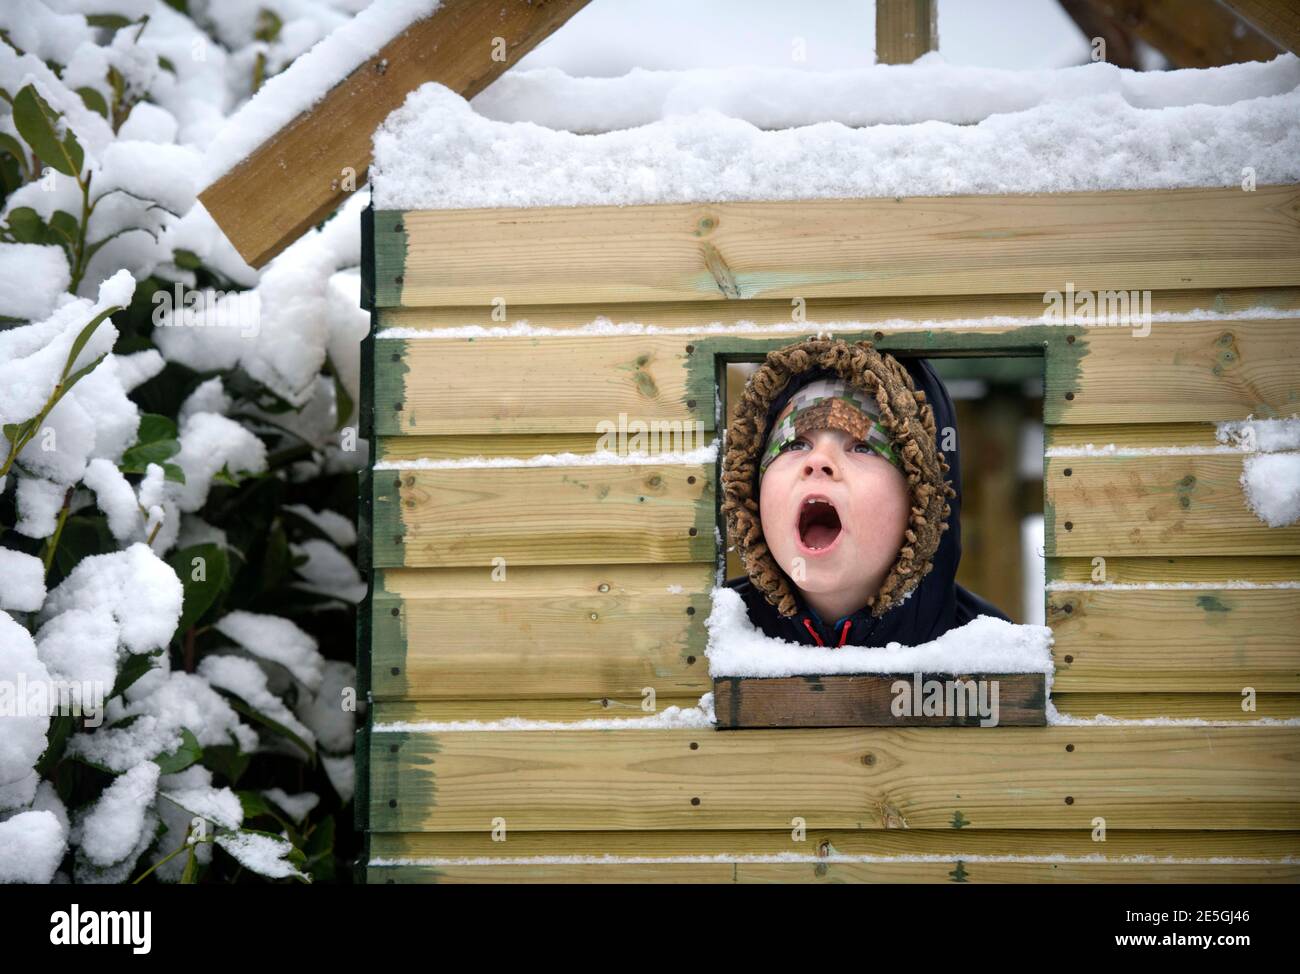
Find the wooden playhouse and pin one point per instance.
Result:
(555, 594)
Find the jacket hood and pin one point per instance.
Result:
(919, 592)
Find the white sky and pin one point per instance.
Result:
(609, 37)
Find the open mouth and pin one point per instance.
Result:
(819, 524)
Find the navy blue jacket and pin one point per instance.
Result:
(935, 606)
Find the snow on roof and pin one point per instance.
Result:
(929, 89)
(931, 129)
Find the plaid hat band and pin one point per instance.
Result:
(830, 404)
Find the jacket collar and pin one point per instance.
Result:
(860, 623)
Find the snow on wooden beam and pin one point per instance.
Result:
(905, 29)
(298, 176)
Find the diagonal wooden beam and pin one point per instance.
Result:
(1278, 20)
(1189, 33)
(299, 176)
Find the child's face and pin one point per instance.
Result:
(844, 547)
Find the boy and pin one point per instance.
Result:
(835, 496)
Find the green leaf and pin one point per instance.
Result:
(26, 226)
(155, 427)
(191, 872)
(61, 728)
(227, 760)
(84, 337)
(136, 666)
(200, 594)
(112, 21)
(268, 25)
(15, 148)
(138, 457)
(288, 851)
(186, 259)
(254, 805)
(183, 756)
(76, 377)
(173, 473)
(342, 400)
(166, 64)
(241, 707)
(37, 123)
(93, 100)
(118, 84)
(321, 840)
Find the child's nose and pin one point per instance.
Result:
(821, 460)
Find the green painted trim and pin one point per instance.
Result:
(406, 875)
(389, 551)
(361, 739)
(388, 642)
(390, 368)
(389, 256)
(1049, 523)
(704, 543)
(402, 771)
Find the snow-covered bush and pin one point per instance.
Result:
(178, 459)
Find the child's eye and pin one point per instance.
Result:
(795, 444)
(863, 445)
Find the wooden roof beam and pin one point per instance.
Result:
(1190, 33)
(1278, 20)
(297, 177)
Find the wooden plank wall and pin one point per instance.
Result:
(563, 593)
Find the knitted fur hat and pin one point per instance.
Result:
(905, 414)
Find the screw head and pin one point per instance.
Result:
(695, 801)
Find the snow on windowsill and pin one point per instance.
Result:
(984, 645)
